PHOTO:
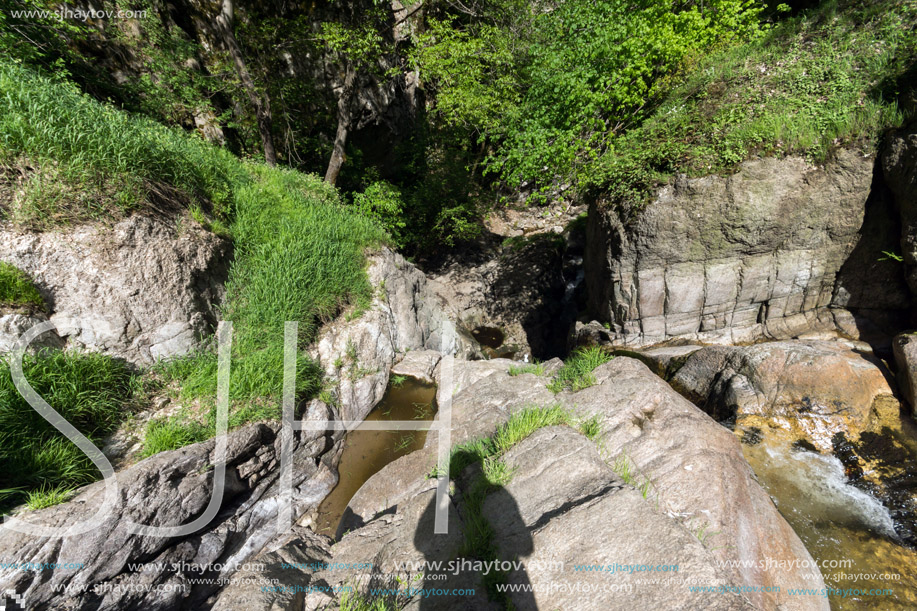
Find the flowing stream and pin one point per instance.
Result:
(839, 523)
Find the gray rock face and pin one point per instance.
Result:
(406, 315)
(905, 347)
(12, 326)
(140, 290)
(565, 504)
(805, 389)
(168, 489)
(729, 259)
(899, 164)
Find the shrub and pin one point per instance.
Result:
(17, 290)
(382, 202)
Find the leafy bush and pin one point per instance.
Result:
(553, 85)
(576, 374)
(815, 82)
(383, 203)
(88, 390)
(17, 290)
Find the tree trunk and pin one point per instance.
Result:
(345, 118)
(337, 153)
(262, 105)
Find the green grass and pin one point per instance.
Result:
(17, 290)
(89, 390)
(163, 434)
(352, 600)
(298, 257)
(48, 496)
(536, 368)
(298, 250)
(824, 79)
(626, 470)
(576, 374)
(83, 159)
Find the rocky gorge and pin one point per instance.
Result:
(697, 384)
(375, 306)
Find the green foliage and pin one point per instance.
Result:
(576, 374)
(17, 290)
(383, 203)
(163, 434)
(815, 82)
(88, 390)
(48, 496)
(553, 85)
(298, 257)
(623, 467)
(353, 600)
(298, 249)
(95, 161)
(536, 368)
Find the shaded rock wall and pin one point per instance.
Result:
(732, 258)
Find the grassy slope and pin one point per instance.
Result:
(815, 82)
(298, 253)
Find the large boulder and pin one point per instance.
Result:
(143, 289)
(803, 389)
(406, 314)
(729, 258)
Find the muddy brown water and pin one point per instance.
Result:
(366, 452)
(839, 523)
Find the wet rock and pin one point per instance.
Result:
(729, 259)
(140, 290)
(905, 350)
(802, 389)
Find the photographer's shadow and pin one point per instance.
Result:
(491, 530)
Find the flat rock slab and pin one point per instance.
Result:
(565, 507)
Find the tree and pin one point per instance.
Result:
(261, 103)
(357, 45)
(552, 84)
